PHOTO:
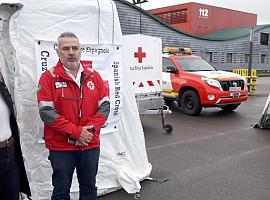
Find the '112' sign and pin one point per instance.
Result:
(203, 13)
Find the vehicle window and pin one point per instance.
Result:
(166, 62)
(194, 64)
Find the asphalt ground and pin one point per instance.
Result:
(214, 156)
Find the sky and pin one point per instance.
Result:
(259, 7)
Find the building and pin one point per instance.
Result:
(201, 19)
(226, 49)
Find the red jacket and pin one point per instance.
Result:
(65, 108)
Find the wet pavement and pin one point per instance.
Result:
(214, 156)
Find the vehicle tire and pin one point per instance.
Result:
(190, 103)
(168, 128)
(229, 107)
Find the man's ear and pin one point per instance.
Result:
(57, 51)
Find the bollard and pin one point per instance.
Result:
(251, 80)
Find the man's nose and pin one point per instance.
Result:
(71, 51)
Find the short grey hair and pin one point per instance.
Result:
(66, 35)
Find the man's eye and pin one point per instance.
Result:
(75, 48)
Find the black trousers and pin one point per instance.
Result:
(9, 174)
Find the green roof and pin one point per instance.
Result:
(221, 35)
(235, 33)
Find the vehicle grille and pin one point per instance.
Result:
(235, 83)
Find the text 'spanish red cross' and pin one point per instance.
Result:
(140, 55)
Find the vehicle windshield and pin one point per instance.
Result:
(194, 64)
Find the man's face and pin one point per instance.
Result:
(69, 52)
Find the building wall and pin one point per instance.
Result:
(130, 24)
(207, 19)
(204, 19)
(186, 27)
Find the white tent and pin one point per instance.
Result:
(123, 160)
(264, 121)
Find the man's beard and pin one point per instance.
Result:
(73, 65)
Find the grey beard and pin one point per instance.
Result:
(74, 66)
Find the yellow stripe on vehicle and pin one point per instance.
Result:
(170, 92)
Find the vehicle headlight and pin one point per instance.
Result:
(212, 82)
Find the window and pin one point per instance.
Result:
(229, 58)
(209, 57)
(166, 62)
(264, 38)
(179, 16)
(262, 58)
(246, 58)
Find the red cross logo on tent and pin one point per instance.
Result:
(140, 55)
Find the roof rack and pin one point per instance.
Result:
(177, 50)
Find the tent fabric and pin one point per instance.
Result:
(123, 160)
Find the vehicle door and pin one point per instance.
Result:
(170, 75)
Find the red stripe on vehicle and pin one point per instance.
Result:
(141, 85)
(150, 83)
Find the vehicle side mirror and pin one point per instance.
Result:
(172, 70)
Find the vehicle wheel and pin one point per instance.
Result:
(173, 105)
(230, 107)
(190, 103)
(168, 128)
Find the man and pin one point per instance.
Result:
(13, 178)
(73, 104)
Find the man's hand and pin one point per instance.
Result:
(85, 136)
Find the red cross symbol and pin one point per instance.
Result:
(140, 55)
